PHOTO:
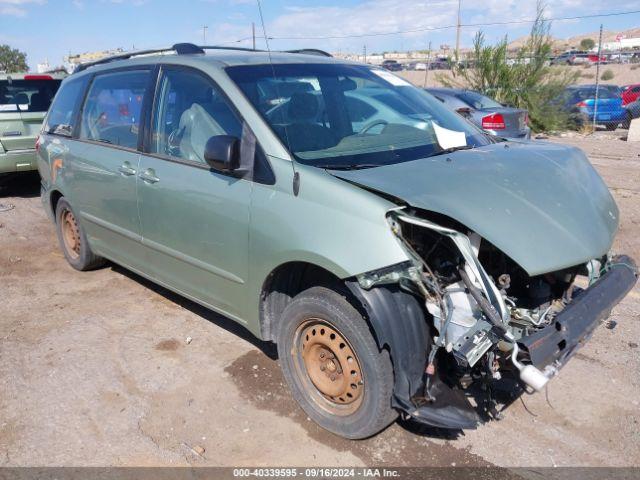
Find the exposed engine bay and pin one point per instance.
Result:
(482, 307)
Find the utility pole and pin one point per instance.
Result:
(364, 53)
(204, 34)
(253, 34)
(595, 105)
(426, 72)
(458, 31)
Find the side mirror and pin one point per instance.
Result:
(222, 153)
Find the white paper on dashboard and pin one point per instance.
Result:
(449, 138)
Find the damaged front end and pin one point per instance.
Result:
(461, 315)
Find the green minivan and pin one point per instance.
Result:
(24, 101)
(403, 261)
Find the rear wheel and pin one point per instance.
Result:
(611, 126)
(333, 365)
(73, 240)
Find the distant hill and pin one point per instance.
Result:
(574, 42)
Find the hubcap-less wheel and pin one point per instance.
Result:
(71, 234)
(331, 366)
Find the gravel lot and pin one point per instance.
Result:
(96, 369)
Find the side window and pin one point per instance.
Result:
(62, 115)
(189, 110)
(111, 113)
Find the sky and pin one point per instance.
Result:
(50, 29)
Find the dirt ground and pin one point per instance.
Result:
(96, 369)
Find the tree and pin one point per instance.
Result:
(12, 60)
(526, 81)
(587, 44)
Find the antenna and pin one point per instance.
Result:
(296, 175)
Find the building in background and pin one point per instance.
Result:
(622, 44)
(43, 67)
(72, 61)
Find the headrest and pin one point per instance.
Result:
(303, 106)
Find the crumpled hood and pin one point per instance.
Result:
(542, 204)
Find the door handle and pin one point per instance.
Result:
(149, 176)
(126, 169)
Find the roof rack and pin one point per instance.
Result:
(310, 51)
(189, 49)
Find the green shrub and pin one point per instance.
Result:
(607, 75)
(529, 82)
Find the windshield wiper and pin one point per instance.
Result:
(355, 166)
(444, 151)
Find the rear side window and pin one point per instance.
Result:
(61, 117)
(27, 95)
(111, 113)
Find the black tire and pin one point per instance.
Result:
(325, 312)
(611, 126)
(626, 125)
(73, 240)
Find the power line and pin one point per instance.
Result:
(446, 27)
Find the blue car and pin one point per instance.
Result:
(580, 102)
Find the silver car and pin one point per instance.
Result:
(485, 112)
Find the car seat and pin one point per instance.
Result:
(195, 128)
(304, 134)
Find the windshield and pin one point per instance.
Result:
(27, 95)
(351, 116)
(477, 101)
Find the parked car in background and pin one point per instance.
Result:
(580, 102)
(578, 58)
(407, 265)
(619, 57)
(485, 112)
(630, 93)
(24, 101)
(439, 64)
(632, 112)
(391, 65)
(566, 58)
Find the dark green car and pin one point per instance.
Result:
(24, 101)
(402, 260)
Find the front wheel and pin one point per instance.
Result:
(611, 126)
(333, 366)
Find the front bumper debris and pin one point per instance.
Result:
(573, 326)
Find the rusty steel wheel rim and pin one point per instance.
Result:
(331, 366)
(70, 234)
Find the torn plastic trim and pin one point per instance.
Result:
(464, 245)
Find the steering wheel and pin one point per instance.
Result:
(373, 123)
